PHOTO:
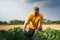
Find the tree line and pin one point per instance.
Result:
(51, 22)
(12, 22)
(16, 22)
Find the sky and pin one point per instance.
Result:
(19, 9)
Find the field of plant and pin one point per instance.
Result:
(15, 33)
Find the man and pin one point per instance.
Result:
(34, 20)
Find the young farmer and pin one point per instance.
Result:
(34, 20)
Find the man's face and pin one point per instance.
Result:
(36, 12)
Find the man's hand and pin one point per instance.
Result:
(36, 31)
(24, 30)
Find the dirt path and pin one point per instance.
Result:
(7, 27)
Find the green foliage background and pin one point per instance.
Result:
(17, 34)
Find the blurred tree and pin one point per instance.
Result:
(49, 21)
(16, 22)
(5, 22)
(56, 22)
(1, 22)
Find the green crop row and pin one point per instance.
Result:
(17, 34)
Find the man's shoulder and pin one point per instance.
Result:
(40, 14)
(30, 14)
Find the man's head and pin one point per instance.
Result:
(36, 10)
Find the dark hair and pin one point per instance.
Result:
(36, 8)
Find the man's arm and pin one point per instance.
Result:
(40, 23)
(27, 21)
(39, 27)
(24, 27)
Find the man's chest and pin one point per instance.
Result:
(35, 19)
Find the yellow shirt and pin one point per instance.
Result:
(33, 20)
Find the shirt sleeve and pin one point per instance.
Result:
(28, 18)
(41, 18)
